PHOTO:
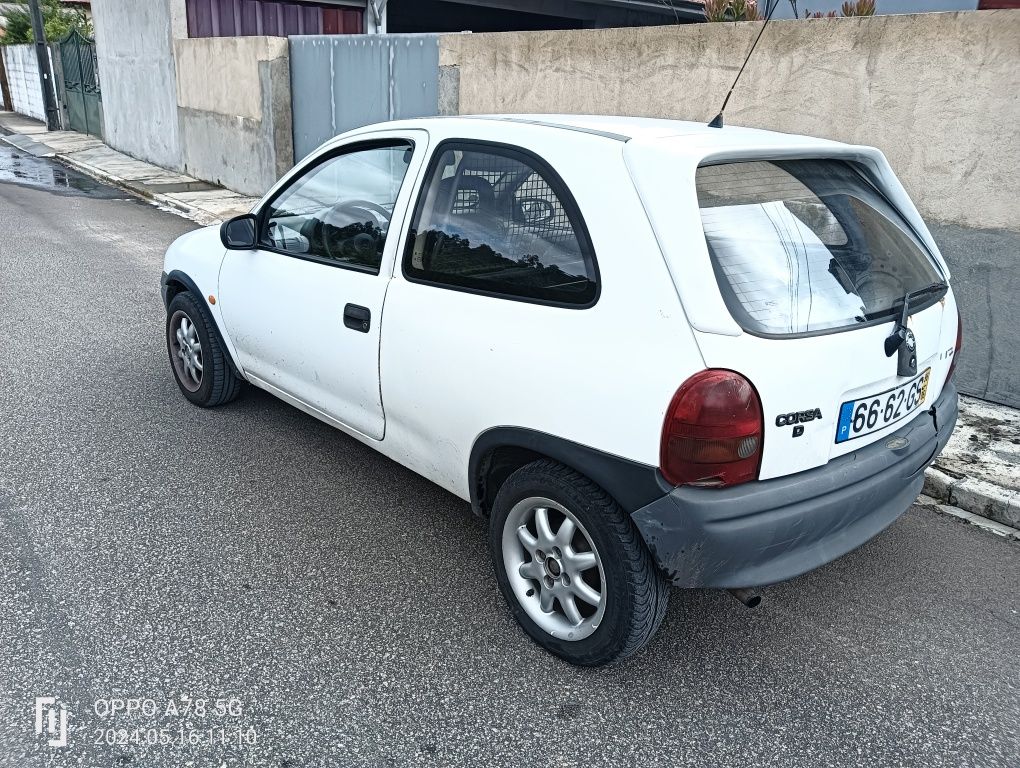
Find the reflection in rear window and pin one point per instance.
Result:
(806, 245)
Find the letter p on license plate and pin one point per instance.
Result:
(870, 414)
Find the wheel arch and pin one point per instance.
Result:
(175, 282)
(499, 452)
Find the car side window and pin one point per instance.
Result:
(499, 221)
(339, 211)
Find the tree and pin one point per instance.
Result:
(58, 20)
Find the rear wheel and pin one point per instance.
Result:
(197, 355)
(570, 564)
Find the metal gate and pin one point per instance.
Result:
(339, 82)
(81, 83)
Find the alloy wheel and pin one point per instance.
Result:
(554, 568)
(186, 349)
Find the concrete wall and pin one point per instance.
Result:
(938, 93)
(233, 99)
(136, 69)
(23, 77)
(215, 108)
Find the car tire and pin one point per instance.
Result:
(198, 358)
(541, 566)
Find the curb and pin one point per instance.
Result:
(197, 215)
(926, 502)
(31, 146)
(973, 496)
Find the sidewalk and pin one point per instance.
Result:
(979, 471)
(976, 479)
(198, 200)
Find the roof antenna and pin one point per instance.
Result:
(717, 121)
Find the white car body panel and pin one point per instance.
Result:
(455, 364)
(791, 374)
(285, 316)
(198, 255)
(443, 366)
(822, 372)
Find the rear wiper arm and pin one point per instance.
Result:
(899, 334)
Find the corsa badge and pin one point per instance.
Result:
(797, 419)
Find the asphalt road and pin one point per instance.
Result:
(150, 550)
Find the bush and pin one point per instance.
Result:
(58, 20)
(732, 10)
(858, 8)
(849, 8)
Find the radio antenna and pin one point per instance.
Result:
(717, 121)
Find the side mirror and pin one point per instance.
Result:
(238, 233)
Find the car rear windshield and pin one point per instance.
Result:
(801, 246)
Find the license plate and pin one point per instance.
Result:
(870, 414)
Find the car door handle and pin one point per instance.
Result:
(357, 318)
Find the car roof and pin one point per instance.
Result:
(624, 128)
(618, 128)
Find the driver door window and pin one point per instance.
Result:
(339, 212)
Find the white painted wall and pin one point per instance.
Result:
(134, 43)
(23, 77)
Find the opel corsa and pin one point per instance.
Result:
(650, 352)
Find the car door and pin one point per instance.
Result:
(304, 308)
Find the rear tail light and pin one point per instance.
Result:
(712, 435)
(959, 345)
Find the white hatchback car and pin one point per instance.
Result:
(649, 351)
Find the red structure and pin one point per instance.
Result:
(230, 18)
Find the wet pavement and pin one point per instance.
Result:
(197, 200)
(17, 167)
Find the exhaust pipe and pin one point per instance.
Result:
(748, 597)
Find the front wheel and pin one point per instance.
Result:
(573, 569)
(197, 356)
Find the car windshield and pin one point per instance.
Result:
(801, 246)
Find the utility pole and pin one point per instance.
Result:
(5, 88)
(45, 76)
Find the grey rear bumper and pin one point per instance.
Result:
(768, 531)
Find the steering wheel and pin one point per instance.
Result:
(348, 206)
(363, 243)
